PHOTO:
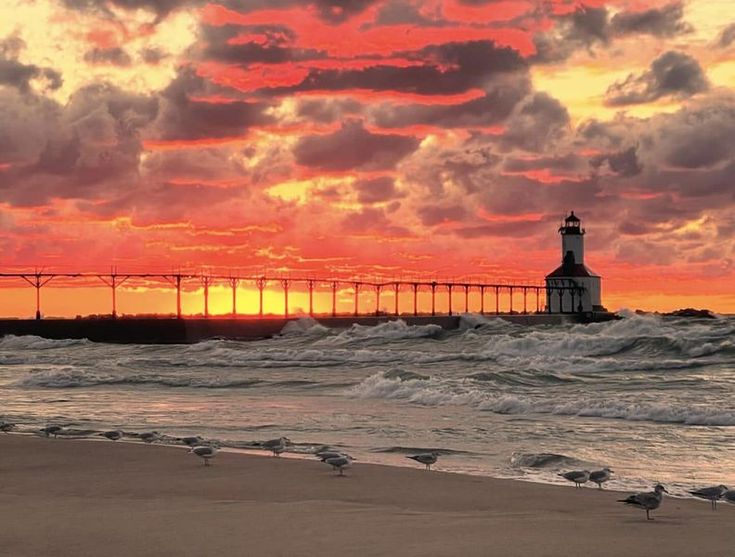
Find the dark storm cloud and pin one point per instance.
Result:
(400, 12)
(326, 111)
(353, 147)
(727, 37)
(91, 146)
(581, 29)
(449, 68)
(536, 124)
(114, 56)
(372, 219)
(588, 27)
(622, 163)
(660, 22)
(432, 215)
(376, 190)
(568, 163)
(152, 55)
(672, 74)
(185, 119)
(500, 98)
(16, 74)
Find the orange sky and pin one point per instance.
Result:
(373, 138)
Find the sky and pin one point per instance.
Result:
(441, 139)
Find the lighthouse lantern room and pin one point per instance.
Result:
(572, 287)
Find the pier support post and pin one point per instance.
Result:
(482, 300)
(525, 301)
(449, 289)
(510, 290)
(548, 300)
(396, 288)
(206, 281)
(38, 282)
(233, 284)
(378, 288)
(497, 300)
(561, 300)
(415, 299)
(357, 298)
(113, 283)
(334, 299)
(466, 298)
(310, 285)
(260, 282)
(538, 305)
(433, 299)
(285, 283)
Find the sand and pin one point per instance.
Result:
(61, 497)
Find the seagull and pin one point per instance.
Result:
(51, 430)
(648, 501)
(339, 463)
(712, 494)
(324, 455)
(600, 476)
(205, 452)
(6, 427)
(425, 458)
(729, 496)
(192, 441)
(115, 435)
(579, 477)
(277, 446)
(149, 437)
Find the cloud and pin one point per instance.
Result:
(114, 56)
(447, 68)
(727, 37)
(583, 28)
(16, 74)
(660, 22)
(672, 74)
(376, 190)
(185, 119)
(622, 163)
(353, 147)
(536, 124)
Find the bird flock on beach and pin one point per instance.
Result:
(340, 460)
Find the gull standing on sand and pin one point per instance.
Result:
(600, 476)
(51, 430)
(277, 446)
(115, 435)
(324, 455)
(205, 452)
(648, 501)
(579, 477)
(712, 494)
(339, 463)
(426, 459)
(149, 437)
(6, 427)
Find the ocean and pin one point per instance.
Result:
(651, 397)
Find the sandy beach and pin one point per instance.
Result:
(61, 497)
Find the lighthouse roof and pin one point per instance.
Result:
(574, 270)
(572, 218)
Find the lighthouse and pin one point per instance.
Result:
(572, 287)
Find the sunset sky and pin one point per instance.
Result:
(391, 138)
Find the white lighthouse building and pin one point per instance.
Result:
(572, 287)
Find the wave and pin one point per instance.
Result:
(304, 326)
(543, 460)
(65, 378)
(388, 331)
(438, 392)
(32, 342)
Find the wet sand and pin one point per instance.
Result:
(60, 497)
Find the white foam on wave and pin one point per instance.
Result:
(304, 326)
(32, 342)
(393, 330)
(438, 392)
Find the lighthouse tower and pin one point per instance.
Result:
(572, 287)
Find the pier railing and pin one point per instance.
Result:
(540, 293)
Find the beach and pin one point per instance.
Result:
(62, 497)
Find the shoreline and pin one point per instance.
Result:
(69, 497)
